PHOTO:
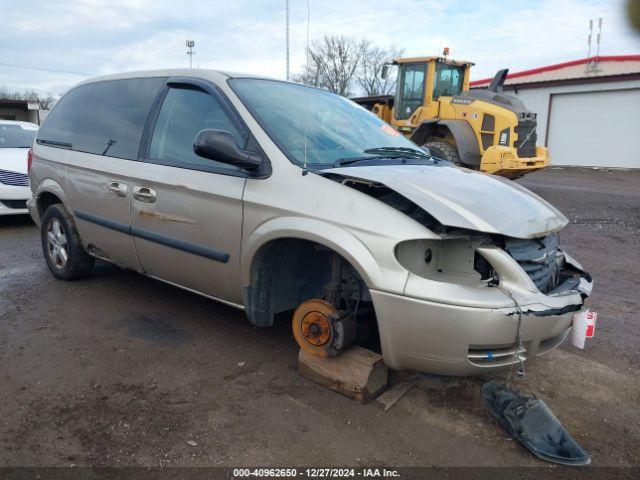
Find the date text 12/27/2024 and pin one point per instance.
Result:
(315, 473)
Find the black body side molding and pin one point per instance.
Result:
(154, 237)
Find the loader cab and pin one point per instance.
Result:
(421, 82)
(448, 80)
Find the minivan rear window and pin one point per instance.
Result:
(103, 118)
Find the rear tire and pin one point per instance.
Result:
(444, 151)
(61, 245)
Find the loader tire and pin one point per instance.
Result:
(445, 151)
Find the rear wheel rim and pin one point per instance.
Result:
(57, 244)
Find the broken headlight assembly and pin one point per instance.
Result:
(451, 260)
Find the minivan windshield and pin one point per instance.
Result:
(14, 136)
(338, 131)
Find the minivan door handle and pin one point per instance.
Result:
(119, 189)
(144, 194)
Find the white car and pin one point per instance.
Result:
(15, 141)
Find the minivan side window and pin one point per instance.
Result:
(184, 113)
(103, 118)
(58, 127)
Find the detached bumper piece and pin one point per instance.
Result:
(530, 421)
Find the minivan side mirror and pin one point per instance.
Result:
(221, 146)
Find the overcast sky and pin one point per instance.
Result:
(71, 40)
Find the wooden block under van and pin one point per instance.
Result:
(357, 372)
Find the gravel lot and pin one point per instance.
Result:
(119, 369)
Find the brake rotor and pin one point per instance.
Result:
(312, 327)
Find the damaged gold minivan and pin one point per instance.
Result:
(275, 197)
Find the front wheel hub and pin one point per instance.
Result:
(312, 326)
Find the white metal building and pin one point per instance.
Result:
(588, 110)
(22, 110)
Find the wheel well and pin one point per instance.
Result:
(289, 271)
(429, 132)
(45, 200)
(443, 134)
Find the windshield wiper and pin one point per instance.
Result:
(385, 153)
(349, 160)
(398, 152)
(53, 143)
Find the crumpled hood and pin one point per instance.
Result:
(463, 198)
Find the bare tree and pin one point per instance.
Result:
(333, 62)
(310, 76)
(45, 101)
(372, 58)
(341, 65)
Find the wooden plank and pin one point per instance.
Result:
(357, 372)
(393, 395)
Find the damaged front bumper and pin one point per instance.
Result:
(459, 330)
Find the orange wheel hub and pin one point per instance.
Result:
(311, 326)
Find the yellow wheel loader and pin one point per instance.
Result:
(482, 129)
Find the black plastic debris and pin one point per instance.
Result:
(529, 420)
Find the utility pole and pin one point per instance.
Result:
(287, 35)
(598, 37)
(592, 65)
(190, 44)
(589, 38)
